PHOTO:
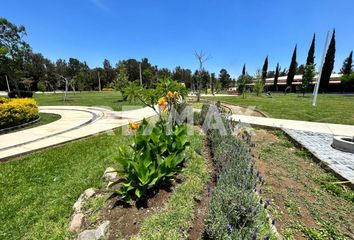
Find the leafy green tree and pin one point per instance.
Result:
(41, 86)
(311, 54)
(122, 80)
(276, 76)
(347, 82)
(183, 75)
(307, 77)
(241, 85)
(300, 70)
(244, 69)
(14, 51)
(108, 74)
(258, 85)
(265, 70)
(163, 73)
(328, 64)
(347, 67)
(292, 69)
(224, 78)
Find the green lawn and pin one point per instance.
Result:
(113, 100)
(39, 190)
(331, 108)
(45, 119)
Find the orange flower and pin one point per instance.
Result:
(170, 95)
(134, 126)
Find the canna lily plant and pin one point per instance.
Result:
(156, 155)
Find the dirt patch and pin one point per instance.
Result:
(126, 220)
(197, 230)
(299, 202)
(243, 111)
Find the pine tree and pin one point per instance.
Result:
(292, 69)
(265, 70)
(328, 64)
(276, 76)
(347, 65)
(244, 70)
(311, 54)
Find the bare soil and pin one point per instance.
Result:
(197, 230)
(126, 220)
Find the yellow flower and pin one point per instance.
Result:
(176, 94)
(162, 102)
(170, 95)
(134, 126)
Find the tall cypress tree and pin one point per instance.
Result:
(292, 69)
(244, 70)
(347, 65)
(311, 54)
(265, 70)
(276, 76)
(328, 64)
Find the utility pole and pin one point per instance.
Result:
(141, 75)
(7, 82)
(315, 92)
(99, 81)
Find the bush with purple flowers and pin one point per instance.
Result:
(234, 211)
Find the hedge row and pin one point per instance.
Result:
(17, 111)
(235, 211)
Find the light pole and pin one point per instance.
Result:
(315, 92)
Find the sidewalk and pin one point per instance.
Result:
(75, 123)
(328, 128)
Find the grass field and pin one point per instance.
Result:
(38, 190)
(45, 119)
(331, 108)
(113, 100)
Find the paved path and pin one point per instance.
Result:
(315, 137)
(319, 144)
(75, 123)
(328, 128)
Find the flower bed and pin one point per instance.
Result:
(17, 111)
(235, 211)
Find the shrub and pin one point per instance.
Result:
(20, 93)
(17, 111)
(234, 210)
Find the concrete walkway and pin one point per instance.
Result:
(75, 123)
(315, 137)
(328, 128)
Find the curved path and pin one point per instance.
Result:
(75, 123)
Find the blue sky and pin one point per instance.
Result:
(169, 31)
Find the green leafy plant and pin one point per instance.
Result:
(158, 151)
(157, 155)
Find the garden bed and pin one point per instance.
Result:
(307, 201)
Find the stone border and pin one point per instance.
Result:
(10, 129)
(340, 143)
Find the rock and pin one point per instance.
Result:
(89, 193)
(78, 205)
(87, 235)
(110, 174)
(98, 234)
(102, 230)
(76, 222)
